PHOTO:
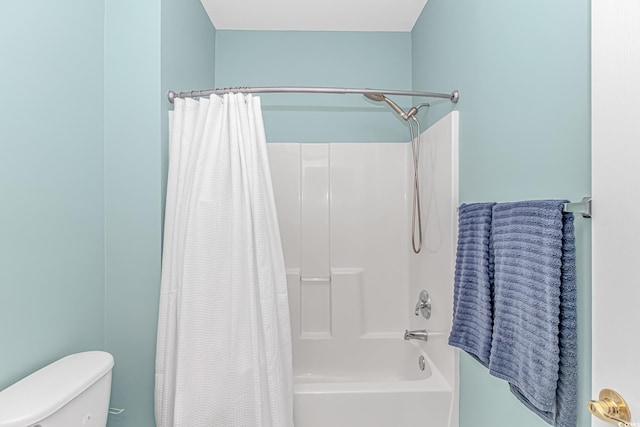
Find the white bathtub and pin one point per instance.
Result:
(367, 383)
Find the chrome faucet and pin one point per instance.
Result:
(420, 334)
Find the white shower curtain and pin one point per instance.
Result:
(224, 342)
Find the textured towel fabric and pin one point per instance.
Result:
(472, 299)
(534, 344)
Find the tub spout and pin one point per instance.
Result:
(420, 334)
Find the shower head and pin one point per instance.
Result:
(379, 97)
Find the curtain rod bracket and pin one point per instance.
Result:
(455, 96)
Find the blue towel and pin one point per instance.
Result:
(534, 344)
(472, 299)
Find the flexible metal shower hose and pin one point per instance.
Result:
(416, 214)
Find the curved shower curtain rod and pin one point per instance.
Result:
(453, 96)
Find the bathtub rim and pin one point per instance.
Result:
(435, 382)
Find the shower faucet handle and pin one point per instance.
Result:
(423, 306)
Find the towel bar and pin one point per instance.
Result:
(583, 207)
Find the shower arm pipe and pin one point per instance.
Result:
(453, 96)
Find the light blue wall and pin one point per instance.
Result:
(132, 202)
(188, 53)
(523, 71)
(81, 158)
(341, 59)
(51, 183)
(151, 46)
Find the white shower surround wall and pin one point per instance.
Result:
(344, 212)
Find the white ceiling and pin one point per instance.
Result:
(314, 15)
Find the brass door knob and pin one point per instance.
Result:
(610, 407)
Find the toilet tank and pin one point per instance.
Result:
(73, 391)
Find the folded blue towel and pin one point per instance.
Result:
(534, 344)
(472, 299)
